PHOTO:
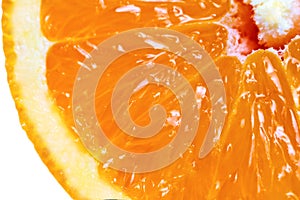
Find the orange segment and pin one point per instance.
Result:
(294, 48)
(85, 19)
(230, 70)
(64, 59)
(142, 100)
(293, 69)
(177, 178)
(259, 148)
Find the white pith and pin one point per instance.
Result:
(277, 20)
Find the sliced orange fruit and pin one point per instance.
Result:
(255, 156)
(292, 59)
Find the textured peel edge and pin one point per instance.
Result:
(25, 51)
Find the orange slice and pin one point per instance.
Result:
(255, 155)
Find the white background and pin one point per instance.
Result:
(22, 173)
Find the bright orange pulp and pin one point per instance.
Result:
(258, 152)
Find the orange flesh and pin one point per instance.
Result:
(293, 69)
(257, 155)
